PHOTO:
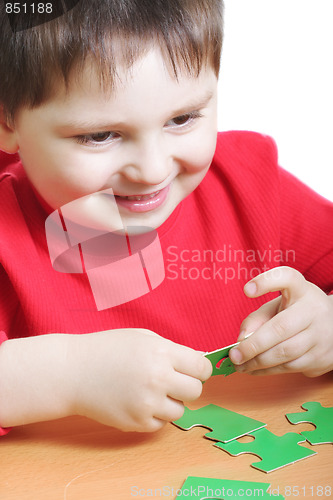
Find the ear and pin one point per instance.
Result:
(8, 139)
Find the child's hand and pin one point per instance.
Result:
(134, 379)
(292, 333)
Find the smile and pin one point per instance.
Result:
(140, 197)
(144, 202)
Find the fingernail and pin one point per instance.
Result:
(250, 288)
(236, 356)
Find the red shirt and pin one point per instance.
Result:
(247, 215)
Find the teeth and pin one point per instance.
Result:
(142, 197)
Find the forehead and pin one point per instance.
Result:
(152, 66)
(148, 87)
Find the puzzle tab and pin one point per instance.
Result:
(320, 417)
(274, 451)
(226, 425)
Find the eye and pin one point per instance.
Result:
(99, 138)
(183, 120)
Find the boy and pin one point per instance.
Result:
(121, 95)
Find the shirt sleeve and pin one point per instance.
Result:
(306, 231)
(3, 431)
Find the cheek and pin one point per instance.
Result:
(68, 173)
(56, 180)
(200, 152)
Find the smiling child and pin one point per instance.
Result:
(122, 95)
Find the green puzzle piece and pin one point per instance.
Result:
(226, 425)
(204, 488)
(319, 416)
(226, 367)
(275, 451)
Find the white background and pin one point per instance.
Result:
(277, 78)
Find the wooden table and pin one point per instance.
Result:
(78, 459)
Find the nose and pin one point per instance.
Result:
(151, 161)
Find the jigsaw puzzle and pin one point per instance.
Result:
(221, 362)
(274, 451)
(204, 488)
(320, 417)
(225, 425)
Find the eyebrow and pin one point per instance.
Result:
(82, 126)
(195, 104)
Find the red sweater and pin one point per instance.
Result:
(247, 215)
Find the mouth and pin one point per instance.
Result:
(143, 197)
(144, 202)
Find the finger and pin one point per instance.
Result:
(281, 354)
(257, 318)
(304, 364)
(184, 388)
(192, 363)
(275, 370)
(170, 410)
(154, 424)
(318, 361)
(287, 280)
(281, 327)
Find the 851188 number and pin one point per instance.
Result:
(26, 8)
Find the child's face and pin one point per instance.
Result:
(152, 135)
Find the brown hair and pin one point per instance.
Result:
(189, 33)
